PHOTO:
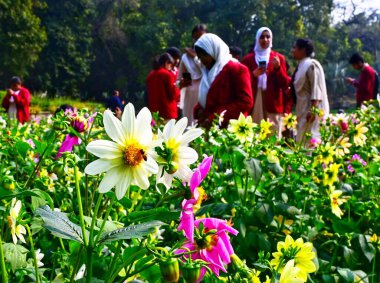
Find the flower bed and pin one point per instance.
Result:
(88, 197)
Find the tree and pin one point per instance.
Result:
(65, 61)
(21, 37)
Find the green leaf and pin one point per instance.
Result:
(367, 249)
(254, 169)
(161, 213)
(22, 147)
(130, 232)
(349, 256)
(264, 212)
(347, 275)
(59, 225)
(362, 275)
(215, 209)
(15, 255)
(275, 168)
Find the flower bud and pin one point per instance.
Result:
(191, 273)
(170, 270)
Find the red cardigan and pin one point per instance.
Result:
(231, 90)
(277, 82)
(163, 95)
(22, 102)
(365, 85)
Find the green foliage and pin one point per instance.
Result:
(22, 37)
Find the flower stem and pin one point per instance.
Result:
(109, 207)
(4, 274)
(374, 268)
(80, 205)
(33, 253)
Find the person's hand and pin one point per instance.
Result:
(350, 80)
(276, 63)
(10, 92)
(184, 83)
(258, 71)
(189, 51)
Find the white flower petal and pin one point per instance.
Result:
(102, 165)
(114, 129)
(180, 127)
(110, 179)
(143, 130)
(123, 184)
(166, 179)
(151, 166)
(128, 119)
(190, 135)
(141, 179)
(105, 149)
(168, 129)
(187, 155)
(184, 173)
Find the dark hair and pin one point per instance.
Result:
(307, 44)
(63, 108)
(356, 58)
(236, 51)
(164, 58)
(200, 50)
(15, 80)
(198, 28)
(174, 52)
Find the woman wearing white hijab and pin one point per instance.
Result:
(225, 85)
(310, 88)
(269, 79)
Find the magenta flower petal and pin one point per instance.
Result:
(205, 166)
(187, 220)
(195, 181)
(68, 144)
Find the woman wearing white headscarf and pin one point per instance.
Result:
(225, 85)
(310, 88)
(269, 79)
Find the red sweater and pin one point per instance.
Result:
(163, 95)
(22, 102)
(277, 81)
(365, 85)
(231, 91)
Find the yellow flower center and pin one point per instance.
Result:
(134, 155)
(208, 242)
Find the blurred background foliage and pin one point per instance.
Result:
(86, 48)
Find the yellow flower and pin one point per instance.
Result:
(326, 154)
(17, 231)
(375, 240)
(272, 157)
(359, 137)
(342, 146)
(290, 273)
(290, 121)
(331, 174)
(336, 202)
(265, 129)
(242, 128)
(299, 251)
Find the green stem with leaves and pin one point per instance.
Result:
(4, 274)
(33, 253)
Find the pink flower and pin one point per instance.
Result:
(211, 244)
(314, 142)
(350, 168)
(344, 126)
(198, 195)
(68, 144)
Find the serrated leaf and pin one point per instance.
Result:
(254, 168)
(130, 232)
(59, 225)
(15, 255)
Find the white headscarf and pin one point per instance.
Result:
(217, 49)
(262, 55)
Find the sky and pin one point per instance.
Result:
(361, 5)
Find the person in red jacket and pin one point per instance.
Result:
(269, 79)
(17, 100)
(365, 85)
(163, 94)
(225, 85)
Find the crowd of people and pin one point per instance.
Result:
(211, 79)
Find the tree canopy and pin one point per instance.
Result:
(87, 48)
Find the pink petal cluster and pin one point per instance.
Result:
(212, 244)
(216, 248)
(187, 214)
